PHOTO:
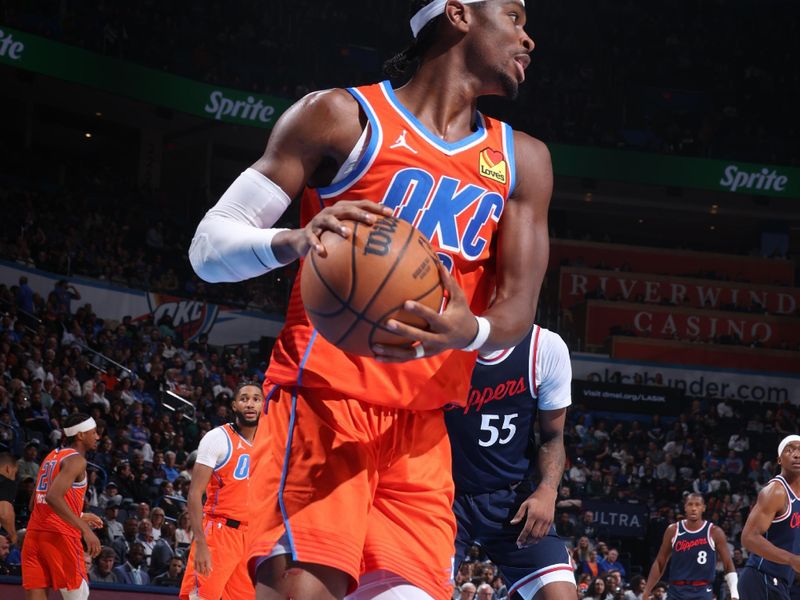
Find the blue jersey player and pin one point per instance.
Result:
(772, 531)
(497, 504)
(691, 547)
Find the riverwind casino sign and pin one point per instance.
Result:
(33, 53)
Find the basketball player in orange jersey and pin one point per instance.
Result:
(352, 477)
(52, 555)
(217, 567)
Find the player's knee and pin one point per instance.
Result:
(299, 580)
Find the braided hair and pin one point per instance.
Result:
(400, 63)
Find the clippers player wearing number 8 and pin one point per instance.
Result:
(497, 504)
(691, 547)
(217, 567)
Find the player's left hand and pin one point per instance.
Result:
(453, 328)
(538, 511)
(93, 520)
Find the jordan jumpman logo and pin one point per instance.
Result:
(401, 142)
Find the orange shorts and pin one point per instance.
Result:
(229, 578)
(52, 560)
(360, 488)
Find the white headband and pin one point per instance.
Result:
(81, 427)
(430, 11)
(787, 440)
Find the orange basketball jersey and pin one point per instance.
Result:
(226, 494)
(454, 193)
(43, 517)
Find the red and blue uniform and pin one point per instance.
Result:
(763, 579)
(693, 563)
(493, 445)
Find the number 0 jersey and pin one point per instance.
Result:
(228, 454)
(454, 193)
(43, 517)
(492, 437)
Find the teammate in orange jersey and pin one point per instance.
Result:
(351, 477)
(217, 567)
(52, 555)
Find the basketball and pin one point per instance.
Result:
(365, 280)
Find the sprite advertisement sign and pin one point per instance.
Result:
(34, 53)
(677, 171)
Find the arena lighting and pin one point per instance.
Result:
(87, 135)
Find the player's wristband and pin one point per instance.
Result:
(732, 579)
(484, 329)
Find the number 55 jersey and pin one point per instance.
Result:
(492, 436)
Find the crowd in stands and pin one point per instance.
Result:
(610, 73)
(653, 462)
(139, 479)
(57, 358)
(119, 242)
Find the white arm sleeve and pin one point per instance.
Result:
(732, 579)
(233, 241)
(213, 448)
(554, 372)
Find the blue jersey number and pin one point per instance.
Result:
(497, 435)
(242, 470)
(44, 478)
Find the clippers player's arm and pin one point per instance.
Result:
(235, 240)
(553, 396)
(772, 502)
(724, 553)
(539, 509)
(201, 475)
(660, 563)
(523, 249)
(72, 469)
(308, 144)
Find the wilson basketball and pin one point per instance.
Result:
(365, 280)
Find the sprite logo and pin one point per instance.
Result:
(10, 48)
(249, 109)
(764, 179)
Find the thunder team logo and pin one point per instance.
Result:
(492, 164)
(189, 317)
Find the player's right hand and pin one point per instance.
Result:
(795, 563)
(92, 543)
(202, 559)
(302, 241)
